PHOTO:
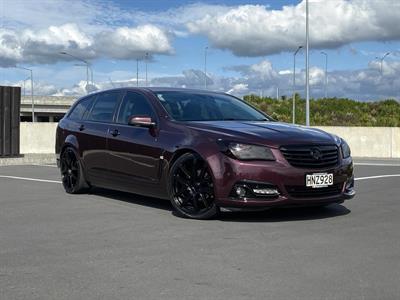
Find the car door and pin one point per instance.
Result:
(93, 136)
(134, 150)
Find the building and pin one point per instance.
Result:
(47, 108)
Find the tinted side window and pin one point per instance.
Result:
(103, 109)
(134, 104)
(81, 108)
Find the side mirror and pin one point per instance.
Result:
(141, 121)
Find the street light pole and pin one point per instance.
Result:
(137, 72)
(33, 102)
(205, 67)
(294, 86)
(326, 73)
(146, 58)
(307, 71)
(85, 62)
(381, 60)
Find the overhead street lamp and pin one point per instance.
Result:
(33, 102)
(307, 71)
(205, 67)
(326, 73)
(294, 85)
(82, 60)
(381, 60)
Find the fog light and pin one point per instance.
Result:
(266, 191)
(240, 191)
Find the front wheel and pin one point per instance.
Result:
(192, 188)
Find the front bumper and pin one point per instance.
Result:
(284, 177)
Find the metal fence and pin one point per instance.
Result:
(10, 102)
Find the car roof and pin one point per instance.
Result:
(160, 89)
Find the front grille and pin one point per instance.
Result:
(299, 191)
(311, 156)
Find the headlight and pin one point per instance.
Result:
(247, 151)
(345, 149)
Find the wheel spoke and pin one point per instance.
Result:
(185, 171)
(203, 171)
(194, 169)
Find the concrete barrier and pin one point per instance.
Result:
(37, 137)
(379, 142)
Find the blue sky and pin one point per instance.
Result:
(112, 34)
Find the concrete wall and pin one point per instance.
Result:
(37, 137)
(381, 142)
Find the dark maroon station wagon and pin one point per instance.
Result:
(201, 150)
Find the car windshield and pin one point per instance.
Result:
(186, 106)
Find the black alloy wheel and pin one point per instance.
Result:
(71, 172)
(192, 188)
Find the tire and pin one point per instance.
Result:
(72, 176)
(191, 188)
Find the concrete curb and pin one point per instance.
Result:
(29, 159)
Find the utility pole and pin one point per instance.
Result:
(294, 85)
(307, 71)
(326, 73)
(205, 67)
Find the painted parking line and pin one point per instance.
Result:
(377, 176)
(29, 179)
(45, 165)
(376, 164)
(56, 181)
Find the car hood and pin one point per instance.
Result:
(272, 134)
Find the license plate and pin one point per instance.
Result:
(319, 180)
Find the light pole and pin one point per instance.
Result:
(33, 102)
(82, 60)
(90, 69)
(146, 59)
(326, 73)
(381, 60)
(294, 86)
(137, 72)
(205, 67)
(307, 72)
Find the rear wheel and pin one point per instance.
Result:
(71, 172)
(192, 188)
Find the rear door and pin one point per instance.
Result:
(135, 152)
(93, 136)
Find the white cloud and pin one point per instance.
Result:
(239, 89)
(45, 45)
(363, 84)
(256, 30)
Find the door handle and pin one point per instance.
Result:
(82, 127)
(114, 132)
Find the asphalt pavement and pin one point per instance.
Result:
(111, 245)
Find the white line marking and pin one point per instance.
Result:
(29, 179)
(378, 176)
(376, 164)
(45, 165)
